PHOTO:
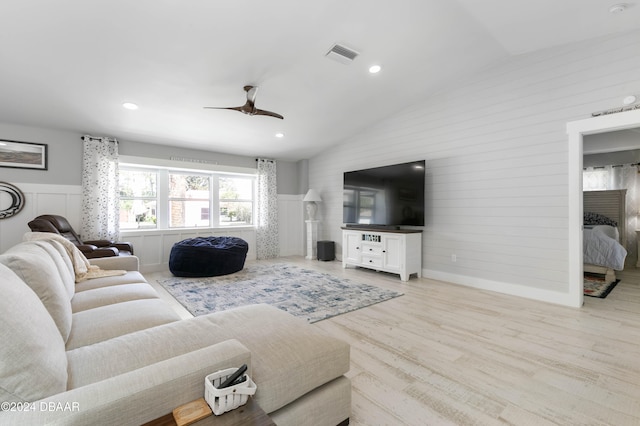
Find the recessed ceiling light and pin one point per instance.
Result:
(279, 135)
(129, 105)
(617, 8)
(374, 69)
(629, 100)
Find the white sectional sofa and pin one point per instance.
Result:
(108, 350)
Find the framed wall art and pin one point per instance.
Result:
(23, 155)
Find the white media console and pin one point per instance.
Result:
(397, 251)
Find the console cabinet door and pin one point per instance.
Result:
(352, 242)
(393, 248)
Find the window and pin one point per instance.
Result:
(595, 178)
(188, 195)
(163, 198)
(236, 200)
(138, 199)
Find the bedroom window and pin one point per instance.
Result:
(595, 179)
(165, 198)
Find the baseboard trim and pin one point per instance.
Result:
(555, 297)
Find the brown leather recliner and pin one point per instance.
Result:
(91, 249)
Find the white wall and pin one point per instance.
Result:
(497, 161)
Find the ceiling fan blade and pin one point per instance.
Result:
(249, 107)
(268, 113)
(233, 108)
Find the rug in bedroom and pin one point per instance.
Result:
(595, 285)
(301, 292)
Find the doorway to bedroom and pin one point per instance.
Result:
(611, 191)
(583, 136)
(611, 163)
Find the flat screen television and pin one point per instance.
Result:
(388, 196)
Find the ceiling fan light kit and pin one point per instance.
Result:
(249, 107)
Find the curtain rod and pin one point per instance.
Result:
(265, 159)
(613, 165)
(622, 165)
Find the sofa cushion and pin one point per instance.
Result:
(34, 265)
(136, 350)
(34, 363)
(131, 277)
(104, 296)
(63, 262)
(106, 322)
(290, 358)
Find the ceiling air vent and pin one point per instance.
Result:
(342, 54)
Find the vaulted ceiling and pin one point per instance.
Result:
(71, 64)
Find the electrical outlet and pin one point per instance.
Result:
(454, 258)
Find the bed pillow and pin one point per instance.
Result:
(591, 218)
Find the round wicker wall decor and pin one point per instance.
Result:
(17, 200)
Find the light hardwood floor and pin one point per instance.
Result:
(444, 354)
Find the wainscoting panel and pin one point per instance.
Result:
(151, 246)
(63, 200)
(291, 225)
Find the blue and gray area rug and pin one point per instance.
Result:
(301, 292)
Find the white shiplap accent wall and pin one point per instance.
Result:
(497, 162)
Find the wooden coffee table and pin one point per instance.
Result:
(249, 414)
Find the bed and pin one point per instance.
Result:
(604, 238)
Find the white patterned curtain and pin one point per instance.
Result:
(100, 196)
(619, 177)
(267, 246)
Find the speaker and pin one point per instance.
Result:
(326, 250)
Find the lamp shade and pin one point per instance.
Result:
(312, 195)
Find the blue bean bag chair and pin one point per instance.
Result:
(208, 256)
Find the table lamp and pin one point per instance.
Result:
(311, 199)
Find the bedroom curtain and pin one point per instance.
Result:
(100, 197)
(267, 245)
(624, 176)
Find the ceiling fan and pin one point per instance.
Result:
(249, 108)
